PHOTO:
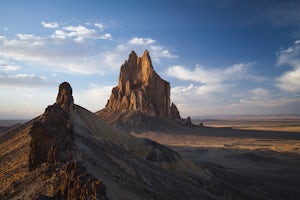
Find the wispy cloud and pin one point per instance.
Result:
(6, 66)
(71, 49)
(97, 96)
(78, 49)
(290, 80)
(23, 80)
(141, 41)
(158, 52)
(99, 25)
(79, 33)
(207, 90)
(208, 76)
(50, 24)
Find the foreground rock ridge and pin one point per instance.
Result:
(51, 157)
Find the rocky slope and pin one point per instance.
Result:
(141, 98)
(37, 160)
(70, 153)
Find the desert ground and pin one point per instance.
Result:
(8, 124)
(256, 149)
(254, 156)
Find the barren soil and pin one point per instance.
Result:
(269, 158)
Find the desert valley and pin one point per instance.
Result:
(139, 147)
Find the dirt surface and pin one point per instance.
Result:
(267, 160)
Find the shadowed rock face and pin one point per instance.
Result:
(140, 88)
(52, 139)
(174, 112)
(52, 133)
(64, 96)
(74, 182)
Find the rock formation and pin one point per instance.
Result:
(140, 97)
(64, 97)
(73, 182)
(52, 138)
(140, 88)
(70, 153)
(174, 112)
(52, 134)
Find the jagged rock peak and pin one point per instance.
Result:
(140, 88)
(174, 112)
(64, 97)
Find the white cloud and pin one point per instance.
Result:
(106, 36)
(139, 45)
(2, 37)
(190, 101)
(50, 24)
(80, 33)
(93, 98)
(66, 50)
(7, 66)
(59, 34)
(290, 80)
(76, 49)
(209, 76)
(213, 90)
(5, 28)
(28, 37)
(141, 41)
(23, 80)
(99, 25)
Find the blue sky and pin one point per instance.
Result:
(221, 57)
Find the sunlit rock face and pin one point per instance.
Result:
(141, 88)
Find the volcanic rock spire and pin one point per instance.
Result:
(64, 97)
(140, 88)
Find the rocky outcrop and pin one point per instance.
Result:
(141, 98)
(52, 134)
(174, 112)
(52, 138)
(140, 88)
(64, 97)
(73, 182)
(187, 121)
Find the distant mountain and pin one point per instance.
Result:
(141, 98)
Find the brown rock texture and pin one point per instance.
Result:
(52, 133)
(174, 112)
(64, 97)
(51, 137)
(73, 182)
(140, 88)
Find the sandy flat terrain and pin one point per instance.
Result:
(270, 159)
(227, 138)
(269, 124)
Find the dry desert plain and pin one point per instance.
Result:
(253, 155)
(267, 151)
